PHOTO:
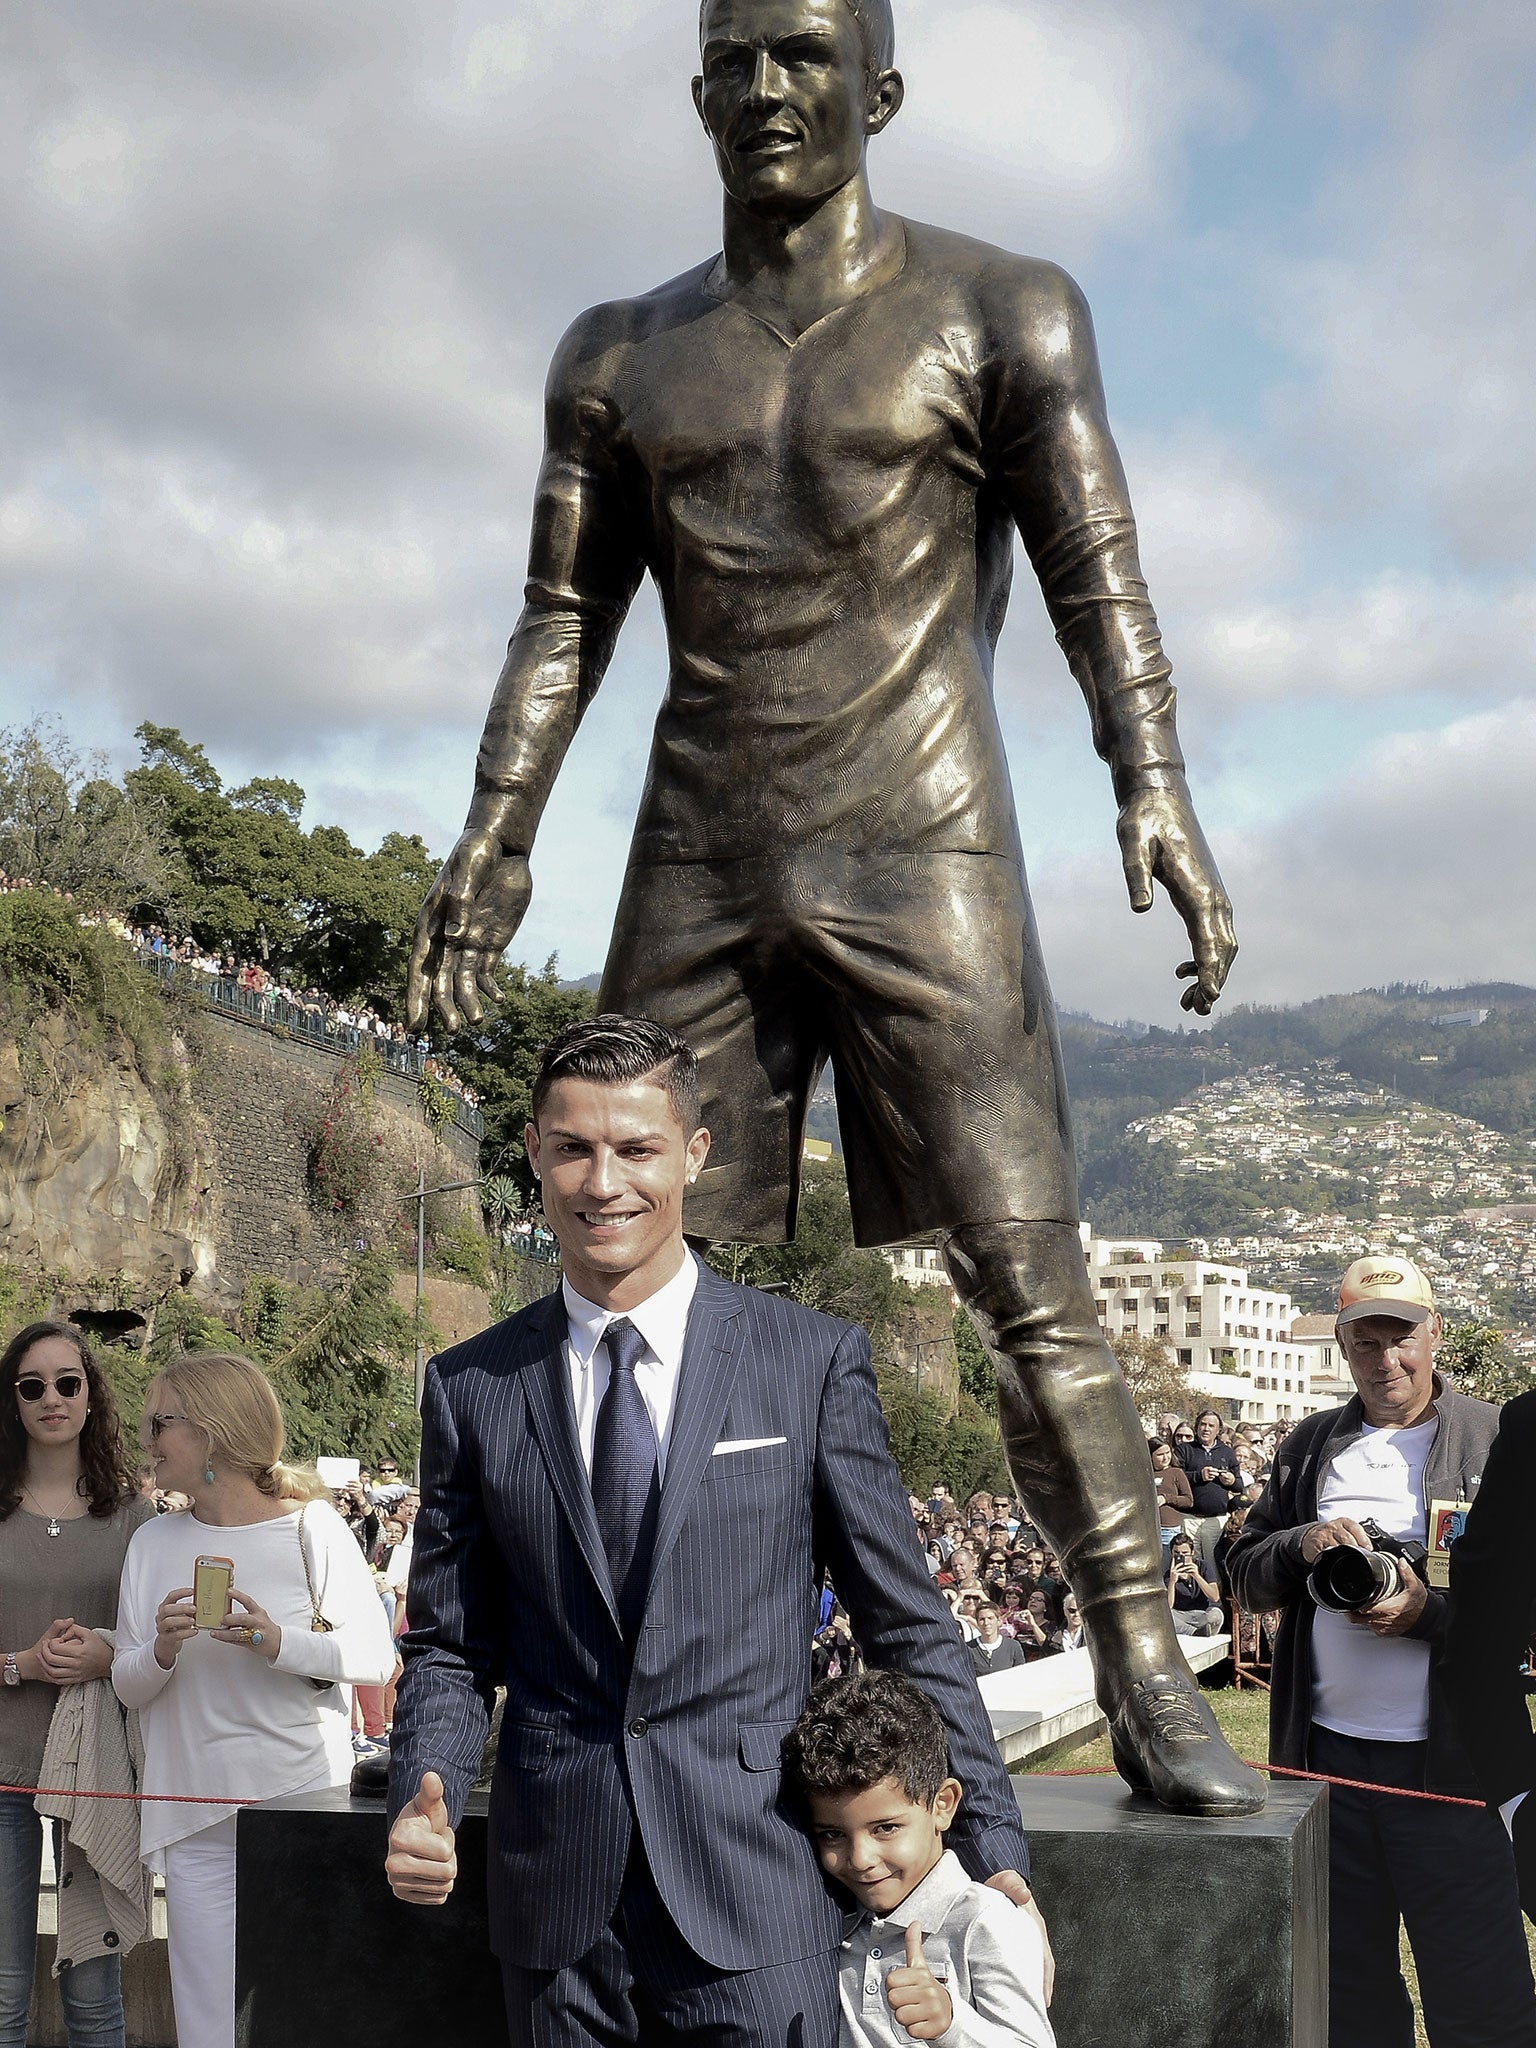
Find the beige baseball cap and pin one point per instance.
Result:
(1385, 1285)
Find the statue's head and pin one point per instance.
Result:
(790, 93)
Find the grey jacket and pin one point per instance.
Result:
(1266, 1569)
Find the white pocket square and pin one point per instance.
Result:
(747, 1443)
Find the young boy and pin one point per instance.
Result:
(933, 1956)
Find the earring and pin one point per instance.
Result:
(208, 1475)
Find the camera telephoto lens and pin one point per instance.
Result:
(1346, 1580)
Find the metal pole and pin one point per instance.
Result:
(421, 1274)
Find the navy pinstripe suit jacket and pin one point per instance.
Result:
(509, 1585)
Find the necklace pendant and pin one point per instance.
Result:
(53, 1525)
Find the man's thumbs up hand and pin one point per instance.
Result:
(421, 1865)
(917, 1999)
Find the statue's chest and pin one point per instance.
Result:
(874, 396)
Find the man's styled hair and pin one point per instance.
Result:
(857, 1732)
(616, 1050)
(876, 26)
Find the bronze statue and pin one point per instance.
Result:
(820, 444)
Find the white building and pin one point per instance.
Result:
(1232, 1338)
(920, 1266)
(1244, 1348)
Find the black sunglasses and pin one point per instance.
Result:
(68, 1384)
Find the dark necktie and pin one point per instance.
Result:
(626, 1485)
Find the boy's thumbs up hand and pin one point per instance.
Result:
(917, 1999)
(422, 1865)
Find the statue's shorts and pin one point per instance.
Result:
(918, 975)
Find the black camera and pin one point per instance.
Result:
(1345, 1580)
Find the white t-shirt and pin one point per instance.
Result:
(1374, 1687)
(225, 1720)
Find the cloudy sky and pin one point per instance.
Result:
(283, 276)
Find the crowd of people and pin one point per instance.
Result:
(1005, 1586)
(274, 1001)
(352, 1026)
(19, 885)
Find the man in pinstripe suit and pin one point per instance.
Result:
(646, 1882)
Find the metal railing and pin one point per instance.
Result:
(272, 1012)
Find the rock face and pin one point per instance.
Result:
(132, 1190)
(99, 1171)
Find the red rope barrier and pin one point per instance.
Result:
(1284, 1771)
(1360, 1785)
(138, 1798)
(1087, 1771)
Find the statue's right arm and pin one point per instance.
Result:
(585, 561)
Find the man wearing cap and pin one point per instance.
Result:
(1360, 1696)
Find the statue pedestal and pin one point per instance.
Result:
(1190, 1931)
(1196, 1932)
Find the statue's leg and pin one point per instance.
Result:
(1079, 1460)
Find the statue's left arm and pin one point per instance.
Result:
(1049, 448)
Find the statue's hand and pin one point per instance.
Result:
(470, 917)
(1160, 839)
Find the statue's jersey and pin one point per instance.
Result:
(830, 524)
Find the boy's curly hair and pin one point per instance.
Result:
(856, 1732)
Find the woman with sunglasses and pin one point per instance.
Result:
(68, 1508)
(258, 1706)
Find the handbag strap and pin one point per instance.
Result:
(318, 1623)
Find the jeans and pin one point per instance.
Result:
(1198, 1621)
(91, 1991)
(1448, 1873)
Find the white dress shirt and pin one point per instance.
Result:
(662, 1321)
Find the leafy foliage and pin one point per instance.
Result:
(964, 1450)
(64, 821)
(822, 1267)
(50, 961)
(1481, 1363)
(253, 882)
(1153, 1374)
(346, 1154)
(340, 1362)
(499, 1057)
(463, 1249)
(338, 1358)
(978, 1375)
(825, 1270)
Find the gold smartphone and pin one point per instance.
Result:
(212, 1578)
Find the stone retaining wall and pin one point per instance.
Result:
(253, 1092)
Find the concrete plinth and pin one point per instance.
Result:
(1196, 1932)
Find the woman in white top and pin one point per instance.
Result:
(256, 1708)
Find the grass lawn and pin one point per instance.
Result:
(1244, 1717)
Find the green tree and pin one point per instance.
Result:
(978, 1373)
(499, 1057)
(823, 1268)
(1149, 1368)
(918, 1432)
(340, 1362)
(63, 821)
(1478, 1359)
(312, 905)
(339, 1358)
